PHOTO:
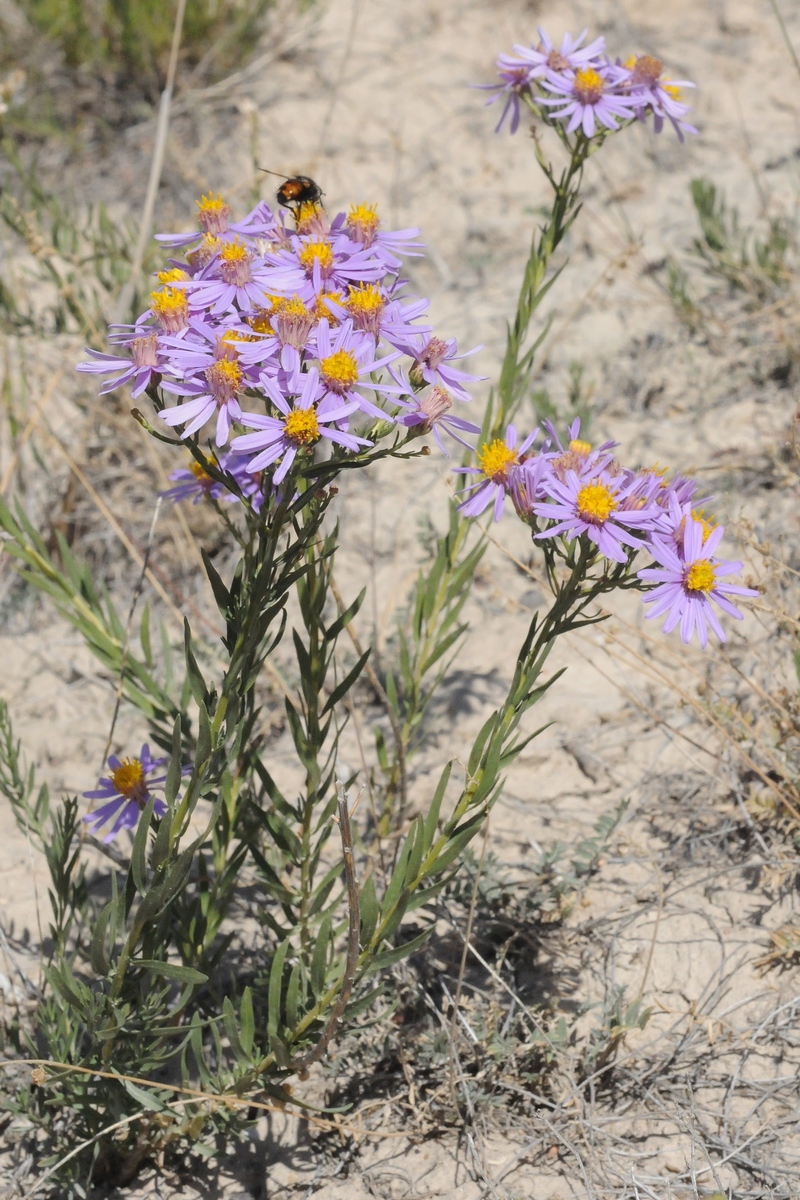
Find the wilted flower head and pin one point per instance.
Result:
(649, 88)
(430, 411)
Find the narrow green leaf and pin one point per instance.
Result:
(203, 749)
(147, 1097)
(97, 952)
(416, 836)
(173, 781)
(144, 635)
(170, 970)
(368, 907)
(346, 617)
(229, 1021)
(344, 687)
(396, 882)
(387, 958)
(247, 1021)
(293, 996)
(432, 818)
(138, 869)
(456, 844)
(221, 593)
(194, 676)
(276, 989)
(319, 958)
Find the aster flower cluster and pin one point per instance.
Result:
(300, 336)
(578, 84)
(572, 491)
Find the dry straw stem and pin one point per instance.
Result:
(135, 553)
(190, 1095)
(785, 33)
(156, 166)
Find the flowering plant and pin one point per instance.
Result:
(279, 353)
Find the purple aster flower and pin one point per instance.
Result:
(234, 277)
(649, 88)
(496, 462)
(545, 59)
(148, 360)
(588, 96)
(217, 392)
(671, 526)
(195, 484)
(681, 488)
(284, 330)
(431, 410)
(213, 217)
(515, 76)
(316, 264)
(346, 360)
(577, 455)
(127, 790)
(595, 506)
(311, 417)
(687, 583)
(364, 226)
(526, 484)
(432, 357)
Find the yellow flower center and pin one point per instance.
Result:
(317, 251)
(588, 85)
(204, 252)
(224, 380)
(364, 299)
(708, 526)
(128, 778)
(301, 426)
(671, 89)
(647, 69)
(229, 339)
(596, 502)
(172, 309)
(212, 203)
(174, 275)
(292, 308)
(340, 369)
(323, 309)
(307, 216)
(260, 322)
(583, 449)
(363, 221)
(200, 475)
(495, 459)
(234, 252)
(701, 576)
(213, 213)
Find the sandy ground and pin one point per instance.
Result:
(372, 100)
